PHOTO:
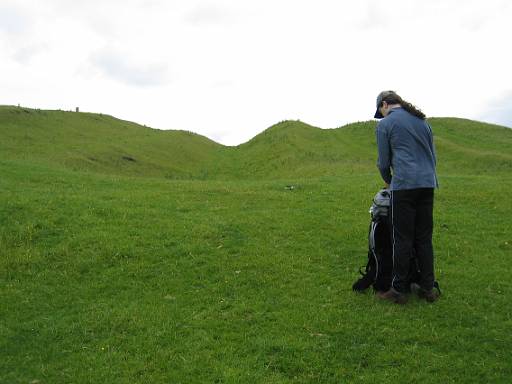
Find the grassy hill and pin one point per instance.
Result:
(101, 143)
(290, 149)
(193, 263)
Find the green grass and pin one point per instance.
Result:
(101, 144)
(98, 143)
(227, 277)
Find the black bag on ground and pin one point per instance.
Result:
(379, 268)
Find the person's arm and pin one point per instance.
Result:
(384, 152)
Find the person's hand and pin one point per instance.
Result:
(386, 185)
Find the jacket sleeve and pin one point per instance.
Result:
(432, 145)
(384, 152)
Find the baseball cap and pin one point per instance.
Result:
(381, 95)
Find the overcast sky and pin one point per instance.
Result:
(228, 69)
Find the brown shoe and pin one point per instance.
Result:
(393, 295)
(430, 296)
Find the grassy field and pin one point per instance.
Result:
(197, 264)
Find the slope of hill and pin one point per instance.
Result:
(101, 143)
(292, 148)
(466, 146)
(289, 149)
(296, 149)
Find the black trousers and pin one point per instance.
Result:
(412, 224)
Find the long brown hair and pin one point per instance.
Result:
(392, 97)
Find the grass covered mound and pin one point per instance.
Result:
(97, 143)
(100, 143)
(232, 276)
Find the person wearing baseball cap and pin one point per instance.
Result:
(407, 164)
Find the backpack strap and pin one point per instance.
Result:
(371, 241)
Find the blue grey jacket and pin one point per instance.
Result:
(407, 157)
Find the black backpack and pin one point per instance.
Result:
(379, 268)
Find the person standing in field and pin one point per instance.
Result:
(407, 164)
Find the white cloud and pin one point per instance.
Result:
(209, 13)
(13, 20)
(120, 67)
(499, 111)
(25, 54)
(229, 69)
